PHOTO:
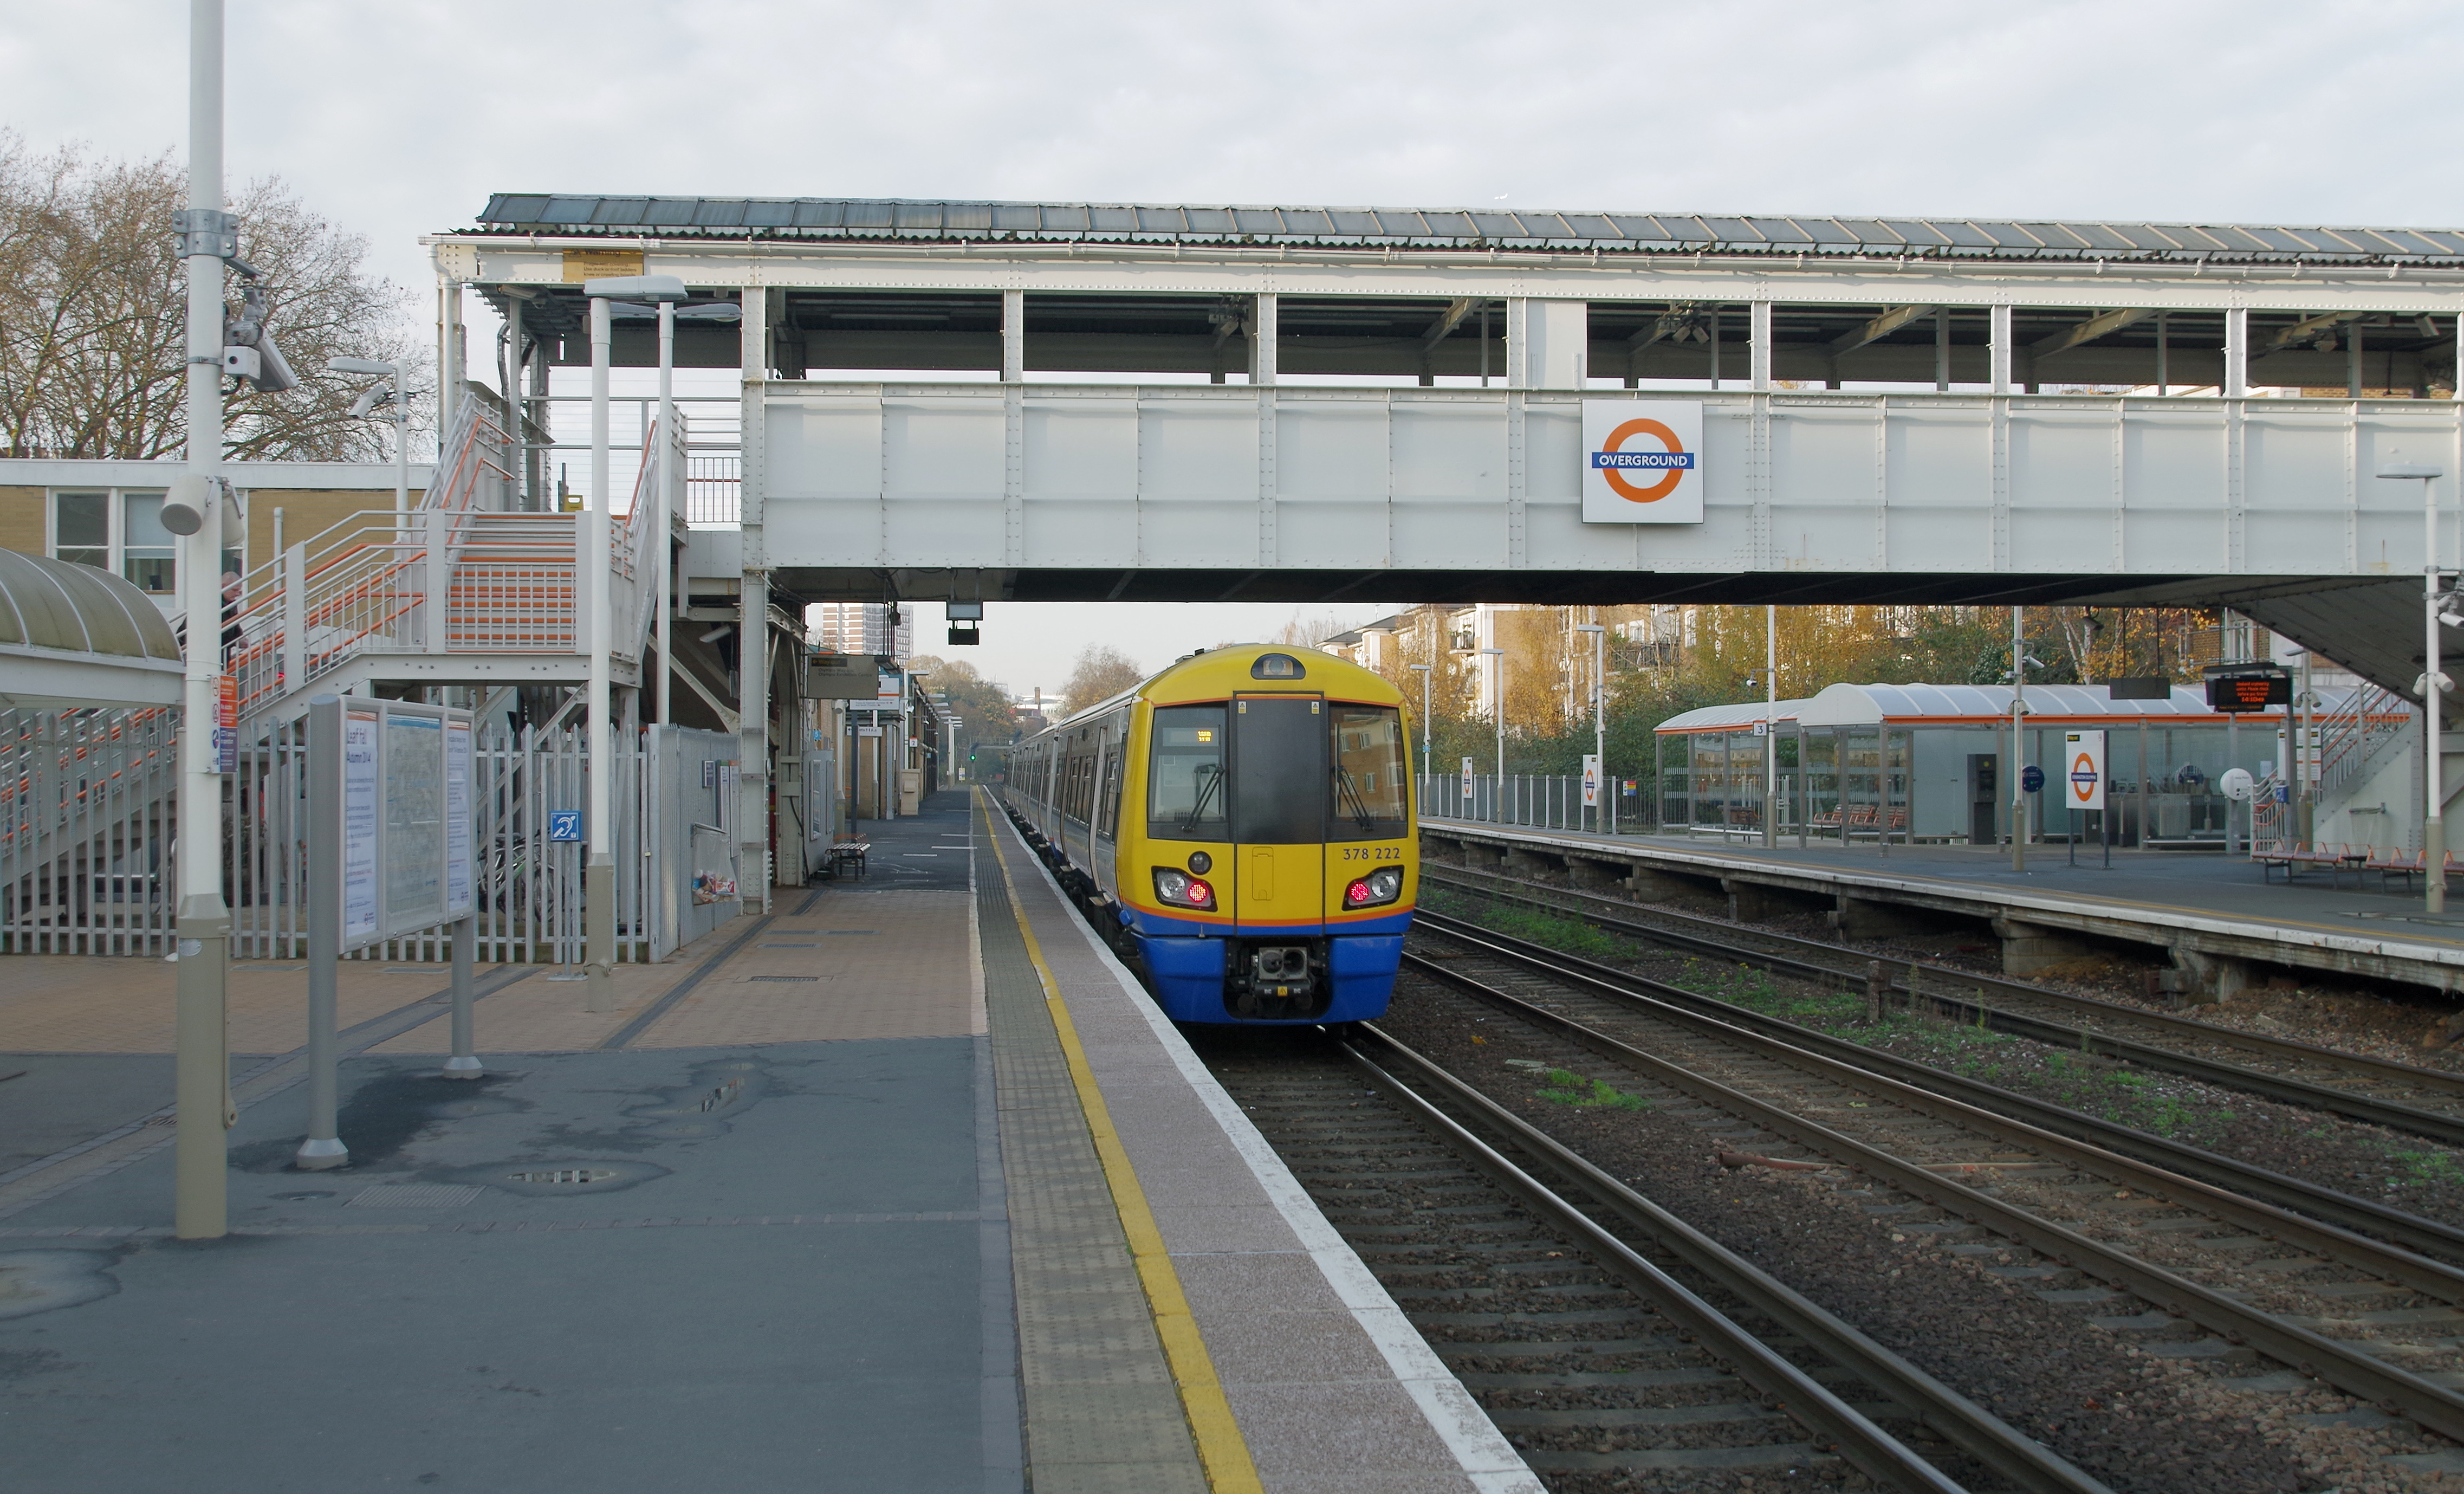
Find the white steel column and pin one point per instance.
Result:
(1518, 343)
(1758, 353)
(753, 621)
(662, 524)
(1013, 337)
(1261, 339)
(591, 557)
(202, 1068)
(2236, 353)
(2001, 349)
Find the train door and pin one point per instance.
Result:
(1279, 792)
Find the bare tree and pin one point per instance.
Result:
(1099, 672)
(94, 315)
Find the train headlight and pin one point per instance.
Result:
(1381, 885)
(1180, 890)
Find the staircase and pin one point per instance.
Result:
(2355, 736)
(458, 590)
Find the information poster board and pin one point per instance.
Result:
(406, 817)
(2083, 767)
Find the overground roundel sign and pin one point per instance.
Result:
(1671, 461)
(1642, 461)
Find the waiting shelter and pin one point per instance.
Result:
(1929, 764)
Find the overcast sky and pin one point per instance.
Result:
(401, 118)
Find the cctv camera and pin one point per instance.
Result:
(184, 506)
(367, 400)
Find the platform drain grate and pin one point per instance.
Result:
(413, 1196)
(791, 946)
(847, 931)
(562, 1175)
(782, 978)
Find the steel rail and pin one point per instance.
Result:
(2394, 1115)
(2227, 1181)
(2432, 1405)
(1992, 1441)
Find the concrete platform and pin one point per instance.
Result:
(903, 1186)
(2213, 913)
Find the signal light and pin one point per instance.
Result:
(1180, 890)
(1380, 887)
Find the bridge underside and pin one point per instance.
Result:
(2371, 624)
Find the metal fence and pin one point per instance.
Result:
(86, 825)
(1537, 801)
(85, 832)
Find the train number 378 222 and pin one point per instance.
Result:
(1373, 853)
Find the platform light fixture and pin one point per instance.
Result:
(394, 401)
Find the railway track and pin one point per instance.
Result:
(2191, 1269)
(2405, 1097)
(1605, 1337)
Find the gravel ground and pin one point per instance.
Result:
(2402, 1171)
(2139, 1423)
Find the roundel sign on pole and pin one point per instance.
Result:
(2083, 769)
(1642, 461)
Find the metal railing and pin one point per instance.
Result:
(1544, 802)
(2351, 735)
(458, 574)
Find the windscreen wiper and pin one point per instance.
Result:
(1211, 780)
(1345, 788)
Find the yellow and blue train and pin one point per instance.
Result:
(1242, 823)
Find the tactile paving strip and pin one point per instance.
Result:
(1102, 1411)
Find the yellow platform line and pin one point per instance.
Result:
(1221, 1446)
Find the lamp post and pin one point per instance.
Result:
(201, 1070)
(2019, 717)
(1496, 714)
(394, 399)
(1424, 670)
(1771, 729)
(2434, 682)
(1599, 723)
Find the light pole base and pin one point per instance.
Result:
(462, 1067)
(320, 1156)
(2434, 861)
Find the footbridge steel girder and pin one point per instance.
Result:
(1341, 449)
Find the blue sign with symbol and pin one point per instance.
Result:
(1648, 460)
(564, 824)
(2031, 777)
(2085, 779)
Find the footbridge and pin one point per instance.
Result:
(1077, 401)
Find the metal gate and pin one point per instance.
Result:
(85, 832)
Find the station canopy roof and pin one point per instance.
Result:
(1957, 705)
(918, 220)
(73, 636)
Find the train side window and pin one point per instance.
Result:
(1185, 781)
(1108, 802)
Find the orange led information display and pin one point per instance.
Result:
(2249, 692)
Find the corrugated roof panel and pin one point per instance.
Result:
(1528, 228)
(2058, 235)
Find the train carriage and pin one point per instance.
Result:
(1242, 823)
